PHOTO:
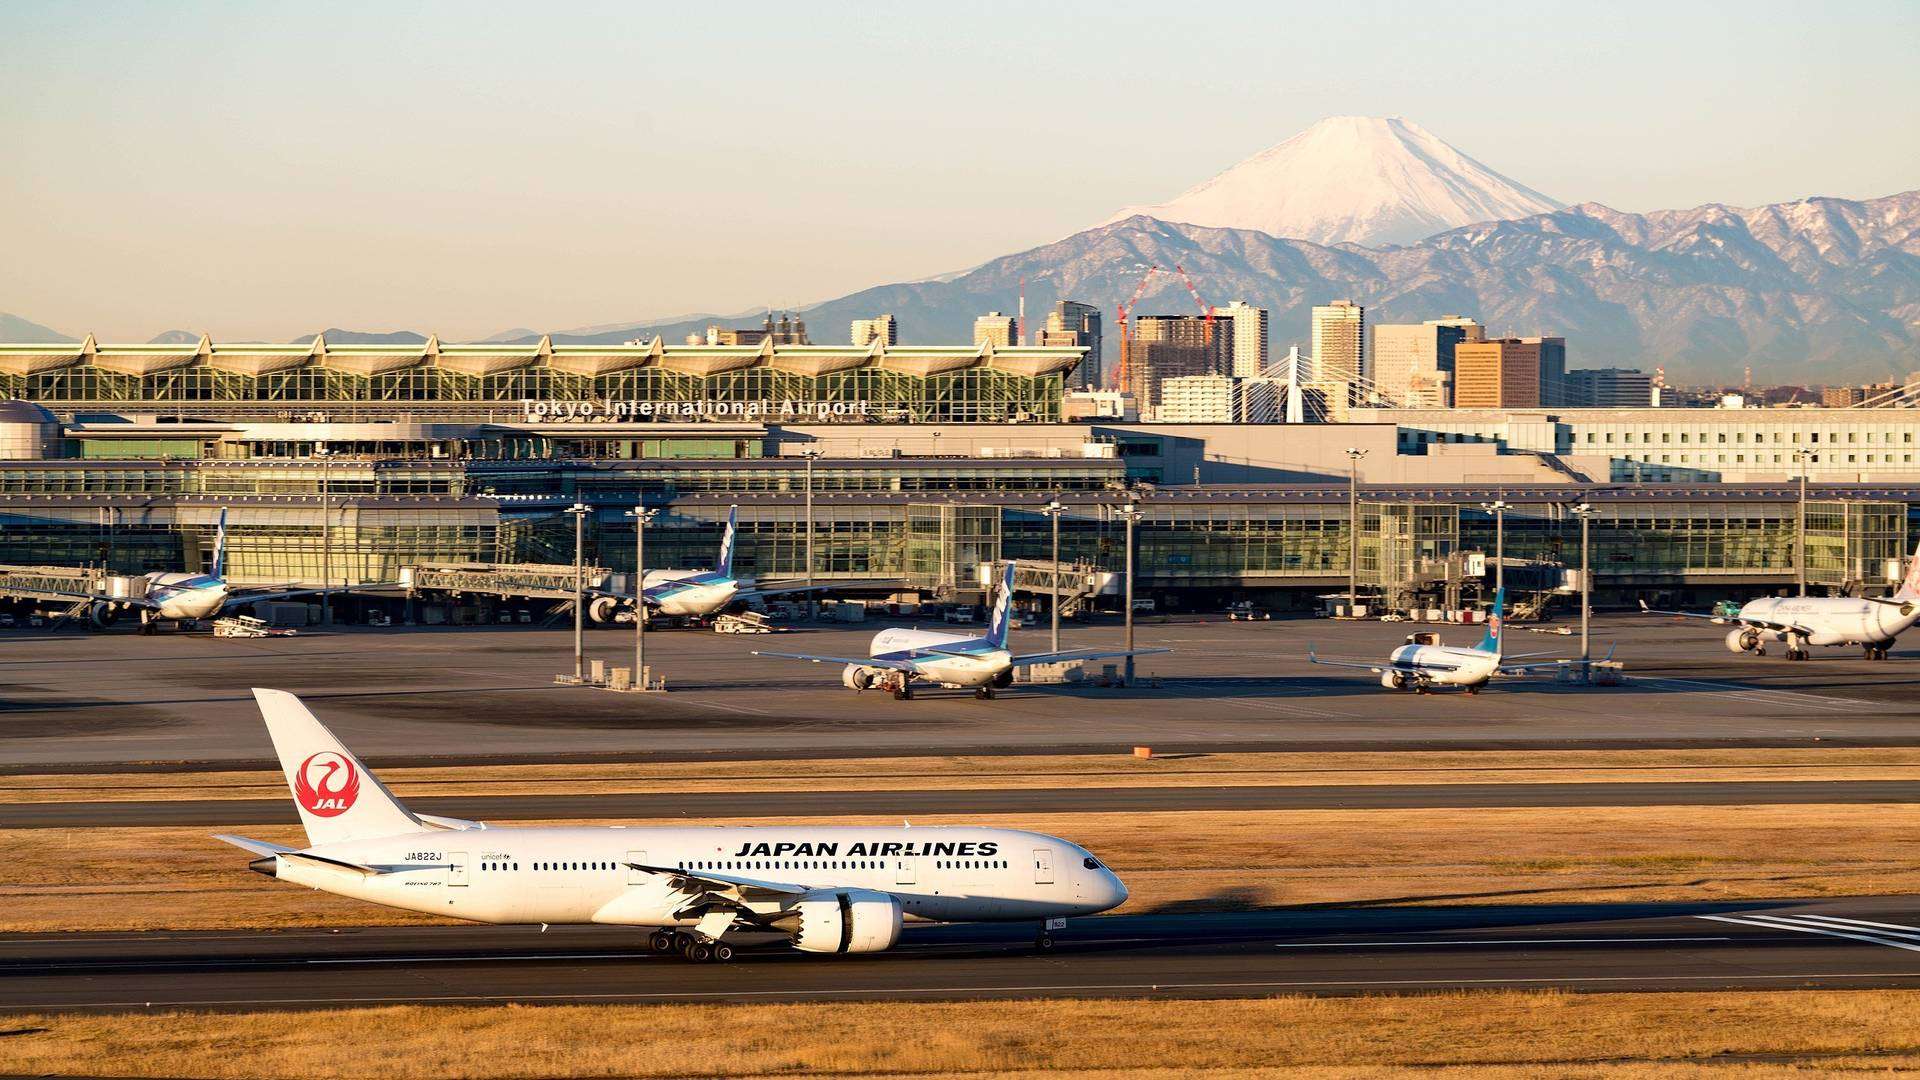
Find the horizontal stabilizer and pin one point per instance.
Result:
(257, 847)
(453, 823)
(330, 864)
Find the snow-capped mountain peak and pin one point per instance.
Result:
(1353, 179)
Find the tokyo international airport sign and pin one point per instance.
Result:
(609, 411)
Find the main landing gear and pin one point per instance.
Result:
(985, 693)
(1797, 649)
(693, 947)
(1877, 652)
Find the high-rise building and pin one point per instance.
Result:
(1168, 346)
(1246, 328)
(1413, 363)
(1340, 340)
(1074, 323)
(883, 328)
(1608, 388)
(1503, 373)
(789, 331)
(1553, 369)
(1218, 399)
(1841, 397)
(995, 329)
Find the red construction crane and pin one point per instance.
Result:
(1125, 311)
(1206, 309)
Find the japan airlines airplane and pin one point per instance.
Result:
(186, 597)
(898, 657)
(1423, 663)
(829, 889)
(700, 592)
(1871, 622)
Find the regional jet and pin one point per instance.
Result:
(827, 889)
(183, 597)
(1423, 663)
(899, 657)
(1871, 622)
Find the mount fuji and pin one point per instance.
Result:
(1353, 180)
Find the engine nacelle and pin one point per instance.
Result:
(1393, 680)
(855, 677)
(1745, 639)
(602, 609)
(846, 921)
(1003, 680)
(103, 614)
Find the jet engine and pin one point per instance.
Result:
(602, 609)
(1745, 639)
(855, 677)
(103, 615)
(1393, 680)
(845, 921)
(1004, 679)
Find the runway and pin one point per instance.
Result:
(1837, 944)
(909, 803)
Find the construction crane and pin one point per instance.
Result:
(1206, 309)
(1126, 328)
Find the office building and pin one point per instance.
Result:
(996, 329)
(1413, 362)
(1340, 340)
(882, 328)
(1072, 323)
(788, 331)
(1608, 388)
(1841, 397)
(1199, 399)
(1246, 329)
(1503, 373)
(1553, 369)
(1166, 347)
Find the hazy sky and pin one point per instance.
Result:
(260, 170)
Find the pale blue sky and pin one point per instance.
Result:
(265, 169)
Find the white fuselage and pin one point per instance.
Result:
(1470, 667)
(690, 593)
(980, 666)
(1832, 620)
(582, 875)
(186, 597)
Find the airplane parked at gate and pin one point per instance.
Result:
(829, 889)
(1423, 663)
(698, 593)
(899, 657)
(183, 597)
(1871, 622)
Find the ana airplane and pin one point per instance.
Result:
(185, 597)
(699, 593)
(899, 657)
(827, 889)
(1871, 622)
(1423, 663)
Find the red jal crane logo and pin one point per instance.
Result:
(326, 784)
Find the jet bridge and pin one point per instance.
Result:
(105, 594)
(1079, 583)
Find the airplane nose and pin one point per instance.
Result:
(1116, 890)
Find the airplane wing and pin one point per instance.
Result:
(1379, 668)
(1719, 619)
(1522, 669)
(897, 665)
(1070, 655)
(1732, 620)
(280, 592)
(706, 881)
(784, 588)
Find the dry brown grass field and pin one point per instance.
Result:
(1478, 1035)
(179, 878)
(1106, 770)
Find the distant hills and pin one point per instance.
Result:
(337, 336)
(15, 328)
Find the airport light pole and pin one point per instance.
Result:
(1129, 513)
(813, 598)
(1353, 531)
(1585, 511)
(1053, 510)
(579, 511)
(1802, 459)
(326, 534)
(1498, 508)
(641, 517)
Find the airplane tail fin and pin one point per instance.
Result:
(1002, 611)
(1910, 588)
(338, 798)
(1496, 624)
(220, 547)
(724, 565)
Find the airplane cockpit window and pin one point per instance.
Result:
(1091, 863)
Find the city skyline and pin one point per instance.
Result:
(489, 139)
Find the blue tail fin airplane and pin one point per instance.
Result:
(1423, 663)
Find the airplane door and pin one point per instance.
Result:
(456, 868)
(635, 875)
(1042, 866)
(903, 871)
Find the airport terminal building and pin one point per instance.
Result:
(921, 462)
